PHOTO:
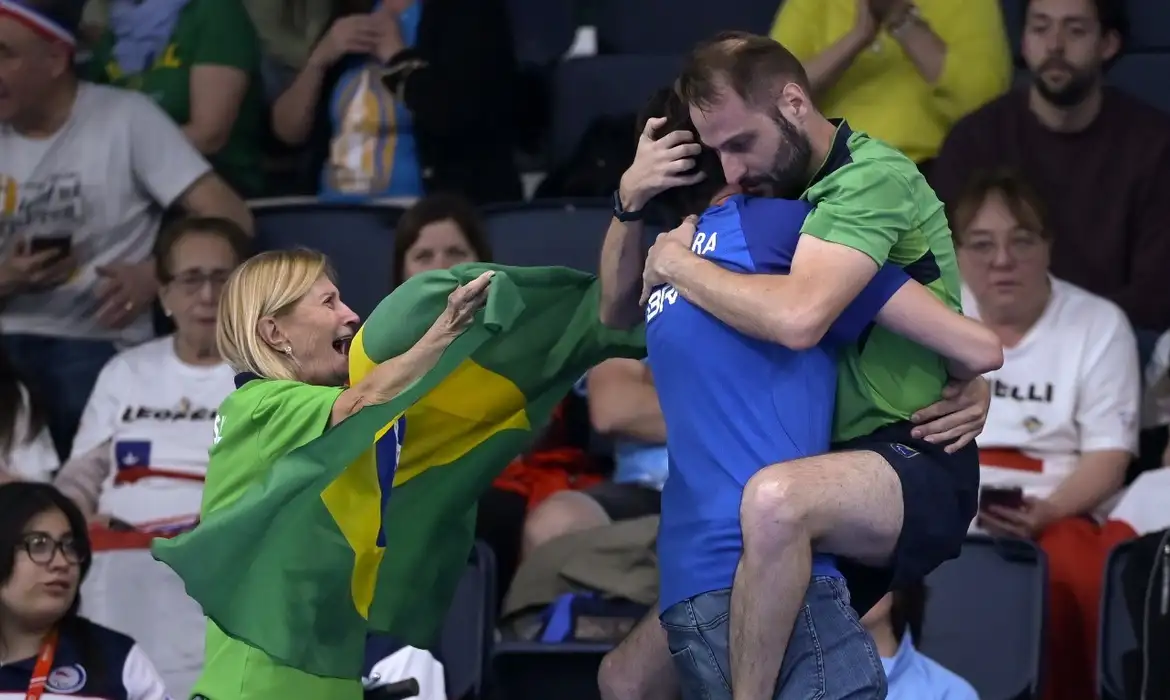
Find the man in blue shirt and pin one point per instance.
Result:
(733, 404)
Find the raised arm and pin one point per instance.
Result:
(392, 376)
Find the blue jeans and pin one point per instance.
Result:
(830, 655)
(61, 372)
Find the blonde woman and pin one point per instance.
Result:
(284, 328)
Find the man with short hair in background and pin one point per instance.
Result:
(86, 172)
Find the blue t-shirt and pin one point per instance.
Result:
(733, 404)
(373, 152)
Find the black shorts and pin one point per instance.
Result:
(626, 501)
(940, 496)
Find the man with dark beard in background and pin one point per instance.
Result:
(1098, 158)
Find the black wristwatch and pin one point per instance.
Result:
(621, 214)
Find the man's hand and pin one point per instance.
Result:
(25, 271)
(657, 165)
(959, 416)
(125, 290)
(1026, 523)
(666, 250)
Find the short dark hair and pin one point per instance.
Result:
(673, 205)
(225, 229)
(433, 208)
(1111, 16)
(1019, 196)
(908, 610)
(748, 64)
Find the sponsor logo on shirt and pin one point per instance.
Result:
(183, 412)
(66, 679)
(903, 450)
(1037, 393)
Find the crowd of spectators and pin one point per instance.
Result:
(132, 134)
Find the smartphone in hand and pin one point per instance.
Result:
(1011, 497)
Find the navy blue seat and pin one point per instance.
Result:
(542, 30)
(1118, 639)
(587, 88)
(538, 671)
(466, 640)
(667, 27)
(1149, 25)
(985, 616)
(357, 238)
(1145, 76)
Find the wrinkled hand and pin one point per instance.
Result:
(462, 304)
(1026, 523)
(667, 248)
(352, 34)
(959, 416)
(658, 164)
(125, 291)
(22, 270)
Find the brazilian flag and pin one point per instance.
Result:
(326, 549)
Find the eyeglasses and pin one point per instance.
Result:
(1020, 245)
(42, 547)
(192, 282)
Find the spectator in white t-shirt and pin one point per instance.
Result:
(1063, 422)
(26, 450)
(86, 172)
(140, 454)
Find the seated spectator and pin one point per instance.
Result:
(406, 97)
(288, 31)
(623, 405)
(45, 646)
(26, 450)
(1063, 423)
(200, 61)
(895, 622)
(87, 171)
(898, 70)
(436, 233)
(1099, 158)
(141, 451)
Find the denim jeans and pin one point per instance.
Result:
(830, 655)
(61, 372)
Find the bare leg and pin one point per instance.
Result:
(848, 503)
(560, 514)
(640, 667)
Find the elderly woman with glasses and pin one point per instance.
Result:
(47, 649)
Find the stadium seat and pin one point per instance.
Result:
(466, 639)
(1149, 26)
(587, 88)
(566, 232)
(666, 27)
(1118, 639)
(542, 30)
(357, 237)
(1144, 75)
(985, 615)
(537, 670)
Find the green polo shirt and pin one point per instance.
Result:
(870, 197)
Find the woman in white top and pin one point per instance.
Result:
(26, 449)
(141, 450)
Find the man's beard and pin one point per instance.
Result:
(788, 175)
(1073, 92)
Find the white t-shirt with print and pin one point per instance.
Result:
(104, 179)
(1070, 386)
(158, 414)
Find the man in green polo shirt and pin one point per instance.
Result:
(895, 505)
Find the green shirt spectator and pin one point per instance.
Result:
(200, 61)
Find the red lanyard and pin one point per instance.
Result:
(40, 674)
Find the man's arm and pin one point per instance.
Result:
(794, 310)
(1143, 298)
(970, 348)
(623, 402)
(211, 196)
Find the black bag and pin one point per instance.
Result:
(1145, 583)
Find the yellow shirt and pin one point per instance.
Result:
(881, 92)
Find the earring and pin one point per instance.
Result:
(288, 350)
(166, 312)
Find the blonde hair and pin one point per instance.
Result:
(268, 284)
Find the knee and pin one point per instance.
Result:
(561, 514)
(774, 504)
